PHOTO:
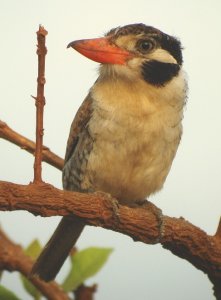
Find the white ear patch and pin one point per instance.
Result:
(162, 56)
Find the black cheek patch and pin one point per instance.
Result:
(159, 73)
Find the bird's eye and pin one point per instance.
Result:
(145, 45)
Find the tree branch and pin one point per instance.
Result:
(145, 224)
(40, 102)
(14, 137)
(13, 258)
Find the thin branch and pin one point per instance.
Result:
(145, 224)
(40, 102)
(24, 143)
(13, 258)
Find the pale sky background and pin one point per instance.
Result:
(193, 187)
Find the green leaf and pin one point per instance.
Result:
(85, 264)
(33, 250)
(6, 294)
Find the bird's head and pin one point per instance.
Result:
(135, 51)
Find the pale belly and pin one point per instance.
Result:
(132, 165)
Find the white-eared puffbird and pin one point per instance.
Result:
(125, 135)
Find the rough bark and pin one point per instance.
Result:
(145, 223)
(12, 258)
(40, 102)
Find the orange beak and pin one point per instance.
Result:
(100, 50)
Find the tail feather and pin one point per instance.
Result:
(58, 248)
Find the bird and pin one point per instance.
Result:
(126, 132)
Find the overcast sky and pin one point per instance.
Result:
(193, 187)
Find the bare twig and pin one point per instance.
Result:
(40, 102)
(145, 224)
(14, 137)
(13, 258)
